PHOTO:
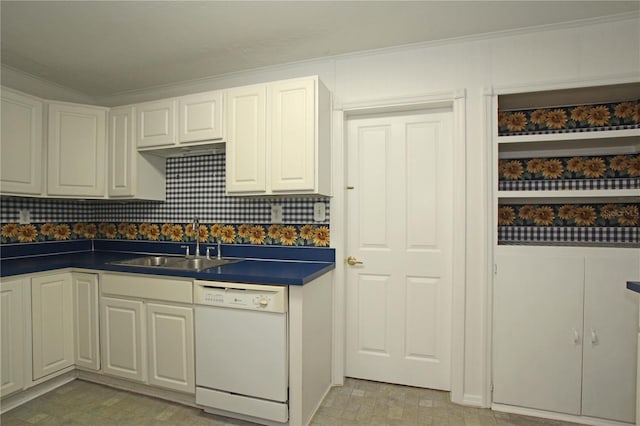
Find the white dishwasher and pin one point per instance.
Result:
(242, 350)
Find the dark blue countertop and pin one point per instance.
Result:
(252, 270)
(634, 286)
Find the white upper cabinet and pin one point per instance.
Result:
(200, 117)
(21, 144)
(278, 138)
(246, 139)
(131, 174)
(156, 125)
(293, 135)
(76, 150)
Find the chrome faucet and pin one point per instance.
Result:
(196, 225)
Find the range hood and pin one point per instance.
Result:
(191, 150)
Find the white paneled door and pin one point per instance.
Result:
(400, 208)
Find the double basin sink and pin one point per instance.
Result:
(175, 262)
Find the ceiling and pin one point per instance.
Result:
(102, 48)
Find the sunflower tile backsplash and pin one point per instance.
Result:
(195, 188)
(577, 118)
(245, 233)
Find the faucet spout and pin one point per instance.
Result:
(195, 226)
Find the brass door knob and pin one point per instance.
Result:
(353, 261)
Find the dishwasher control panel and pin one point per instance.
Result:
(241, 296)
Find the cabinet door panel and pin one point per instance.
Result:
(171, 347)
(52, 324)
(122, 152)
(246, 139)
(122, 329)
(537, 333)
(85, 302)
(610, 333)
(156, 123)
(21, 144)
(12, 332)
(76, 151)
(293, 135)
(200, 117)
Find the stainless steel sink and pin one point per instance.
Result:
(175, 262)
(198, 263)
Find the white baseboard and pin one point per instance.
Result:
(591, 421)
(472, 400)
(22, 397)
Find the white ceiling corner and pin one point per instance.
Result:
(103, 48)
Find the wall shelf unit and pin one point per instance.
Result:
(576, 146)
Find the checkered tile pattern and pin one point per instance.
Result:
(578, 130)
(568, 184)
(195, 187)
(535, 234)
(43, 210)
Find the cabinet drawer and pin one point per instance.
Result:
(148, 287)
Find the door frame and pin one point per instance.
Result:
(456, 100)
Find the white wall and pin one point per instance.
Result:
(585, 53)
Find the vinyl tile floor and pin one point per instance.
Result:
(358, 402)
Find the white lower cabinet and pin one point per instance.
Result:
(564, 330)
(144, 338)
(86, 329)
(52, 323)
(122, 335)
(171, 347)
(12, 335)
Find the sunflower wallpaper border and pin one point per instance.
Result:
(616, 223)
(576, 167)
(292, 235)
(567, 119)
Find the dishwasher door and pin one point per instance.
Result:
(242, 351)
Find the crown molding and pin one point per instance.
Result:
(36, 86)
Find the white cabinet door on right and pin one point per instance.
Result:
(52, 323)
(200, 117)
(156, 123)
(246, 139)
(122, 152)
(171, 347)
(537, 349)
(76, 150)
(293, 135)
(122, 329)
(610, 333)
(21, 144)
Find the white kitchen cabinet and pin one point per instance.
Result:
(132, 174)
(145, 340)
(246, 139)
(538, 331)
(76, 150)
(609, 357)
(21, 144)
(564, 338)
(278, 138)
(86, 325)
(200, 117)
(13, 333)
(52, 323)
(171, 347)
(122, 333)
(156, 123)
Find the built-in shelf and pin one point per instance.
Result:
(617, 137)
(570, 196)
